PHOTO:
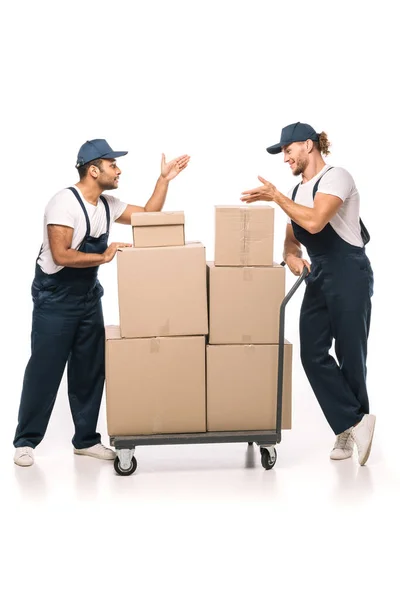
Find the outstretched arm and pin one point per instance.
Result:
(312, 220)
(168, 172)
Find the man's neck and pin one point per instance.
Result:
(313, 168)
(89, 192)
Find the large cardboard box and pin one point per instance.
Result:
(244, 304)
(244, 235)
(154, 385)
(152, 229)
(162, 291)
(242, 387)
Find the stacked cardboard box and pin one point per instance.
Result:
(155, 359)
(160, 375)
(245, 291)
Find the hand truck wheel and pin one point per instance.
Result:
(132, 467)
(268, 457)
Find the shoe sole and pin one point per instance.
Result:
(368, 452)
(93, 455)
(21, 465)
(341, 458)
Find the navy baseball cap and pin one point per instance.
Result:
(296, 132)
(93, 149)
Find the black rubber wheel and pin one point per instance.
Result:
(268, 459)
(132, 468)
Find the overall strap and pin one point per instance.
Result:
(107, 213)
(315, 189)
(294, 193)
(77, 196)
(296, 189)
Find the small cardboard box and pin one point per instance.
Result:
(154, 229)
(244, 236)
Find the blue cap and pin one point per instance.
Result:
(93, 149)
(296, 132)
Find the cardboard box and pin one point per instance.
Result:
(154, 385)
(242, 387)
(162, 291)
(152, 229)
(244, 304)
(244, 236)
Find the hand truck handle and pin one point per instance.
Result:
(281, 349)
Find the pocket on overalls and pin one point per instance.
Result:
(359, 266)
(40, 293)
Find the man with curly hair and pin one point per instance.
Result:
(323, 216)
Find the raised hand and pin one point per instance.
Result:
(169, 170)
(266, 192)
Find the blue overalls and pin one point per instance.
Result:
(67, 327)
(336, 305)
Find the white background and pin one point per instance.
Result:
(218, 81)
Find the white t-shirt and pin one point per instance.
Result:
(64, 209)
(337, 182)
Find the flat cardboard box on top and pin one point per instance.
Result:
(158, 229)
(155, 385)
(162, 291)
(244, 304)
(244, 236)
(242, 387)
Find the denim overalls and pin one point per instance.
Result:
(336, 306)
(67, 327)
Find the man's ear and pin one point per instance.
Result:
(93, 171)
(309, 145)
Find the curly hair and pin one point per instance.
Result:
(323, 144)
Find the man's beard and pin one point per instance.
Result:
(301, 166)
(110, 185)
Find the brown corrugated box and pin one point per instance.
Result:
(244, 304)
(152, 229)
(154, 385)
(242, 387)
(162, 291)
(244, 235)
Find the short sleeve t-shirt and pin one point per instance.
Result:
(64, 209)
(336, 182)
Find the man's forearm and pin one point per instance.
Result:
(291, 249)
(302, 215)
(157, 200)
(79, 260)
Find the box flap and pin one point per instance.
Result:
(236, 208)
(164, 249)
(142, 219)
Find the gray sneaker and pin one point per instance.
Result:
(343, 447)
(97, 451)
(23, 456)
(362, 435)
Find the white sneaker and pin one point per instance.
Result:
(97, 451)
(343, 447)
(362, 434)
(23, 456)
